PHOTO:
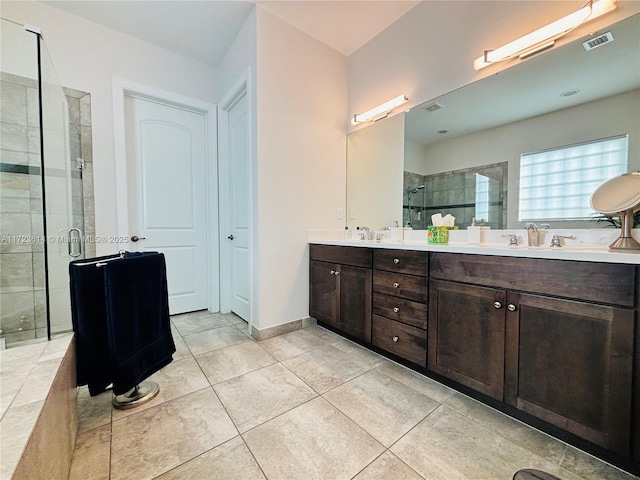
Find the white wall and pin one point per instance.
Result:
(301, 117)
(375, 174)
(429, 51)
(86, 56)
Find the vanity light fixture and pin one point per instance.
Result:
(379, 112)
(546, 36)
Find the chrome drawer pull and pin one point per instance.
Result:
(396, 261)
(395, 339)
(396, 285)
(396, 309)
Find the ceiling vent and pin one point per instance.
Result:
(432, 107)
(598, 41)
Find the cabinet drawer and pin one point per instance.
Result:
(401, 261)
(402, 340)
(400, 309)
(410, 287)
(356, 256)
(612, 283)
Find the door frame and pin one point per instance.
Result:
(121, 88)
(242, 86)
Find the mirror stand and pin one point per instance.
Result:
(625, 241)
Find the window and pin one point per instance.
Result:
(557, 184)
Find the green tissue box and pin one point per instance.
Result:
(438, 235)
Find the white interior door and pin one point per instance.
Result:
(239, 184)
(166, 190)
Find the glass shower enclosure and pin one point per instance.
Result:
(39, 228)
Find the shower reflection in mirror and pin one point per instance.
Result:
(476, 192)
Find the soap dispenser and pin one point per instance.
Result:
(473, 233)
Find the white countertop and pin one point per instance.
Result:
(579, 251)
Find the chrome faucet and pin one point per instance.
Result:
(535, 234)
(368, 232)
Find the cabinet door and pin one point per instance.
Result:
(466, 335)
(355, 302)
(570, 364)
(323, 292)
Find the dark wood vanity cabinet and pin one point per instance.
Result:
(340, 288)
(466, 335)
(499, 325)
(399, 324)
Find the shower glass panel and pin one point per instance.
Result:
(35, 248)
(64, 240)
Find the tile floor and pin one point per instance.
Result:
(305, 405)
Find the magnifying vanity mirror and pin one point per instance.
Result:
(481, 150)
(620, 196)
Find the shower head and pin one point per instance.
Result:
(415, 189)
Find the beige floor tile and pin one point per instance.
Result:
(527, 437)
(325, 368)
(422, 384)
(387, 466)
(259, 396)
(326, 335)
(159, 439)
(449, 446)
(364, 355)
(182, 351)
(384, 407)
(312, 441)
(198, 322)
(231, 460)
(91, 455)
(234, 319)
(215, 339)
(590, 468)
(292, 344)
(179, 378)
(93, 411)
(230, 362)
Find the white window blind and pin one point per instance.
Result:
(557, 184)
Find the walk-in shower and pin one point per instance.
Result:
(45, 189)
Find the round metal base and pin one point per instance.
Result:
(138, 395)
(625, 244)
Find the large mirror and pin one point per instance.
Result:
(485, 151)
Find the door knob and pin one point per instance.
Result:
(135, 238)
(230, 237)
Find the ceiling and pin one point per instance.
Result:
(203, 30)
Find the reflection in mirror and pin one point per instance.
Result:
(475, 194)
(564, 97)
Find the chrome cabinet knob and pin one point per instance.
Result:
(396, 261)
(497, 304)
(395, 339)
(396, 285)
(335, 272)
(396, 309)
(511, 307)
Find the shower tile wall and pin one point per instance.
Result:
(81, 149)
(22, 295)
